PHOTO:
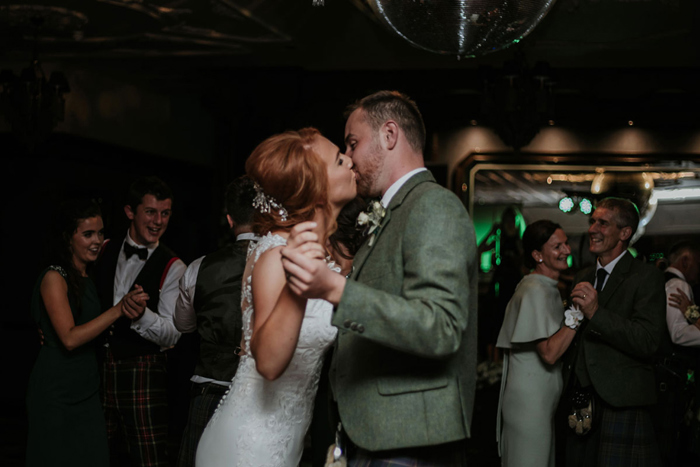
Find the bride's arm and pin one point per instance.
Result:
(277, 319)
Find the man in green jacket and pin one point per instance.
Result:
(404, 367)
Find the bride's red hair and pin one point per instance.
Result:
(288, 169)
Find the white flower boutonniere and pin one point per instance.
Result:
(692, 314)
(573, 317)
(370, 219)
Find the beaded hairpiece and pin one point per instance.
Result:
(266, 204)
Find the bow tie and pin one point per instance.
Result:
(129, 250)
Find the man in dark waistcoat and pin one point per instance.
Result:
(623, 302)
(210, 304)
(677, 360)
(134, 373)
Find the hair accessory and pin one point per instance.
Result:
(266, 204)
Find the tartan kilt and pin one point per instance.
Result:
(204, 400)
(627, 438)
(135, 402)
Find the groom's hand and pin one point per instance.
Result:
(310, 277)
(301, 234)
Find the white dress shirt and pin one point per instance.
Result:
(681, 332)
(396, 186)
(155, 327)
(185, 318)
(608, 268)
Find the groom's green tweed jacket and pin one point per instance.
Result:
(404, 369)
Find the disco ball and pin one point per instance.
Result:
(461, 27)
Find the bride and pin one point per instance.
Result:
(261, 421)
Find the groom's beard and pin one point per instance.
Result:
(371, 169)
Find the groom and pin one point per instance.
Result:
(403, 371)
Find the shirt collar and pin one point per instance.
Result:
(675, 271)
(247, 236)
(136, 245)
(396, 186)
(611, 265)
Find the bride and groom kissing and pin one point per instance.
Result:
(403, 322)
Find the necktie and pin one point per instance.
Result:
(600, 279)
(129, 250)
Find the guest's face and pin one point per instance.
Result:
(605, 236)
(555, 252)
(362, 146)
(86, 241)
(693, 268)
(149, 220)
(342, 186)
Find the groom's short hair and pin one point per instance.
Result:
(393, 105)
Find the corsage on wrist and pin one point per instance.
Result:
(573, 317)
(692, 313)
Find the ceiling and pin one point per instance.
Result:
(537, 189)
(343, 34)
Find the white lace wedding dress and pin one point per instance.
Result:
(261, 423)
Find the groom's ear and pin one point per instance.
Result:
(390, 134)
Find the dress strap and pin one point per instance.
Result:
(59, 270)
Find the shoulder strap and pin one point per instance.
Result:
(668, 275)
(165, 271)
(102, 248)
(59, 270)
(267, 242)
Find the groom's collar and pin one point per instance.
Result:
(396, 186)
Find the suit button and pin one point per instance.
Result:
(360, 328)
(347, 323)
(569, 367)
(353, 326)
(111, 333)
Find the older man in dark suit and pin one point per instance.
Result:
(624, 303)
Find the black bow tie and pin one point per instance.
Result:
(129, 250)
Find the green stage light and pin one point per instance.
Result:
(566, 204)
(586, 206)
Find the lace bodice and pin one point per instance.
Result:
(259, 422)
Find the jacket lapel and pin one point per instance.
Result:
(366, 249)
(616, 278)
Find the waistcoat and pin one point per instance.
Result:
(217, 305)
(124, 341)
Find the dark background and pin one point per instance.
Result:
(149, 97)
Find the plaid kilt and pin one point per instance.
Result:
(627, 438)
(205, 399)
(135, 402)
(443, 455)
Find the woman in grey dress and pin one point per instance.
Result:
(533, 337)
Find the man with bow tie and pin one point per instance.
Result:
(404, 367)
(624, 304)
(134, 368)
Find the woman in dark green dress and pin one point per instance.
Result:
(66, 423)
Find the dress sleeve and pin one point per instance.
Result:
(532, 314)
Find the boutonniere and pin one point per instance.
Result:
(370, 219)
(692, 314)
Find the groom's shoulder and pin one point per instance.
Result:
(434, 197)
